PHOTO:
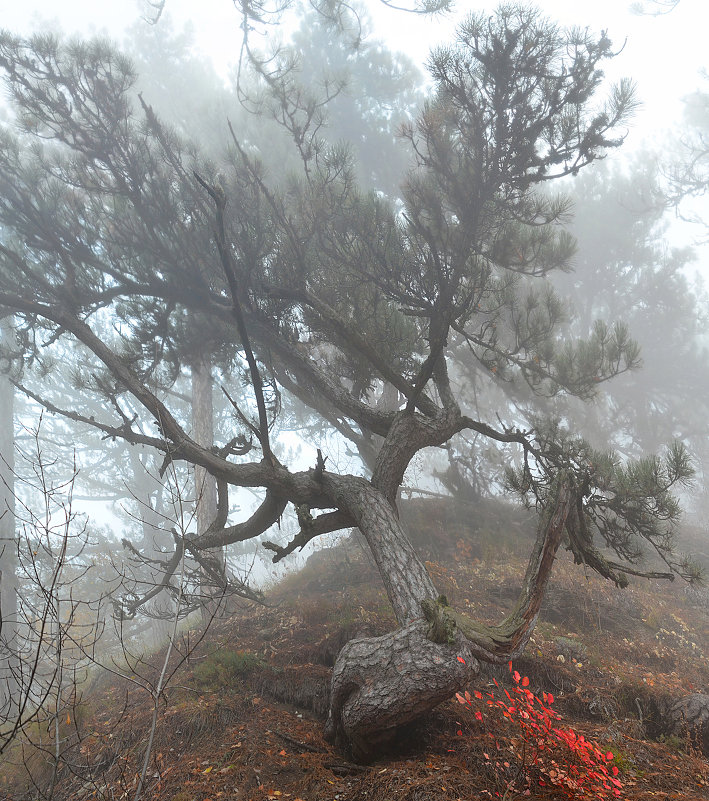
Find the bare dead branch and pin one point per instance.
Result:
(124, 431)
(315, 527)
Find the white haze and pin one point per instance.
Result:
(664, 54)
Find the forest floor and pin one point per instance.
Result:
(242, 718)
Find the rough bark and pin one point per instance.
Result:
(384, 682)
(406, 579)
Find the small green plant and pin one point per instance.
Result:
(672, 741)
(622, 760)
(222, 667)
(548, 753)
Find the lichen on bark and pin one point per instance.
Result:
(441, 624)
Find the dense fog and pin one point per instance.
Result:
(334, 288)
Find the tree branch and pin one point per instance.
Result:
(315, 527)
(354, 339)
(219, 198)
(124, 431)
(128, 609)
(438, 341)
(507, 640)
(267, 514)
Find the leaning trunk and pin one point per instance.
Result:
(381, 683)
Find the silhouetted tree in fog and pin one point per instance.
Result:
(626, 268)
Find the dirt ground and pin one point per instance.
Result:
(242, 718)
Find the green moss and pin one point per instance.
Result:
(223, 667)
(623, 761)
(672, 742)
(442, 626)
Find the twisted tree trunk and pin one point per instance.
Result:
(381, 683)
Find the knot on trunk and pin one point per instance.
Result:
(382, 683)
(441, 624)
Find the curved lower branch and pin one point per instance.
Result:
(507, 640)
(323, 524)
(267, 514)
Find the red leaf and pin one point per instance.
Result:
(460, 659)
(459, 732)
(525, 682)
(479, 715)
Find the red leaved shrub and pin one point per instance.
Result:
(549, 754)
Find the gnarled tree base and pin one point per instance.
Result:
(381, 683)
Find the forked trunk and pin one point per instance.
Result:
(381, 683)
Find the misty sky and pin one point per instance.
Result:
(663, 54)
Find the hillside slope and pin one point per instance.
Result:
(243, 717)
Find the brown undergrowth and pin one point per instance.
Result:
(243, 719)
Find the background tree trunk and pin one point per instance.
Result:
(9, 646)
(149, 494)
(205, 485)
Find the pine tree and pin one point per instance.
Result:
(310, 285)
